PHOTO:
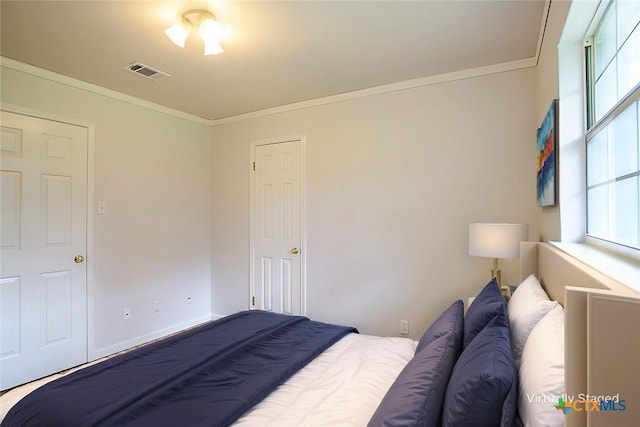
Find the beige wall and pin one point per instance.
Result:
(152, 170)
(392, 182)
(546, 91)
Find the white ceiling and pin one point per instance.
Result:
(276, 52)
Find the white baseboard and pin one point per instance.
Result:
(142, 339)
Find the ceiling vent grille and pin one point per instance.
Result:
(146, 71)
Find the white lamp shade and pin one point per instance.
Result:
(211, 31)
(496, 240)
(178, 33)
(212, 47)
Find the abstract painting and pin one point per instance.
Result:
(547, 153)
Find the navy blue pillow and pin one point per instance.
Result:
(485, 307)
(450, 320)
(483, 388)
(415, 398)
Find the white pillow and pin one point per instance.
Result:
(528, 304)
(542, 372)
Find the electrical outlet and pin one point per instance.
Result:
(188, 300)
(126, 313)
(156, 306)
(404, 327)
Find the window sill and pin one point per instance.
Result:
(623, 270)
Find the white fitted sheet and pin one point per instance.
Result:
(341, 387)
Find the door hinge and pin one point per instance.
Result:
(253, 301)
(254, 165)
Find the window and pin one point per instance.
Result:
(612, 53)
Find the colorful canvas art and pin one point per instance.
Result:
(547, 137)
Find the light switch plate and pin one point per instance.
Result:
(102, 208)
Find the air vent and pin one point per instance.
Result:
(146, 71)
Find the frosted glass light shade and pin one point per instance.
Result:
(178, 33)
(496, 240)
(210, 31)
(212, 47)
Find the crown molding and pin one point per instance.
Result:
(392, 87)
(90, 87)
(363, 93)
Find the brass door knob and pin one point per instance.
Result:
(294, 251)
(78, 259)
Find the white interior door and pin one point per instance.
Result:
(277, 228)
(43, 320)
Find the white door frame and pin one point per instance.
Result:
(303, 254)
(90, 202)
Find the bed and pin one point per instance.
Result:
(495, 364)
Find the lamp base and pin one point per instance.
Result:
(505, 290)
(495, 272)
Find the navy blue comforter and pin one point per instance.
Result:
(207, 376)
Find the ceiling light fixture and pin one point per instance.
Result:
(209, 29)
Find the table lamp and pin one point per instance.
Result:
(495, 240)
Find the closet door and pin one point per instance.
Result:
(277, 228)
(43, 235)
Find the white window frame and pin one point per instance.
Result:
(571, 229)
(596, 125)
